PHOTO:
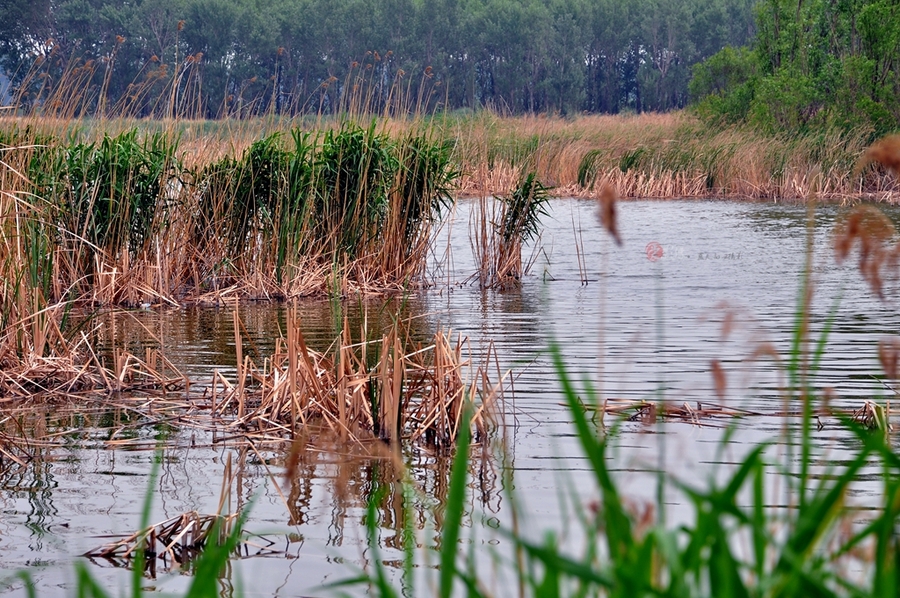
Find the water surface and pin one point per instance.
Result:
(636, 328)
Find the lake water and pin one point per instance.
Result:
(727, 282)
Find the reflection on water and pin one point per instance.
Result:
(727, 283)
(199, 340)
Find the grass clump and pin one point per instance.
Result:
(112, 193)
(349, 199)
(125, 220)
(503, 226)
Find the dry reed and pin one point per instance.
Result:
(365, 390)
(501, 226)
(703, 413)
(664, 156)
(177, 540)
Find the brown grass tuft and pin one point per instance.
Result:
(389, 389)
(607, 212)
(874, 233)
(720, 383)
(885, 151)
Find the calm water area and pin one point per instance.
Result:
(638, 328)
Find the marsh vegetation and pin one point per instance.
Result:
(257, 229)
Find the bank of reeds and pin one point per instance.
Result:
(665, 156)
(124, 221)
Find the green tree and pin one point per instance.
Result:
(246, 57)
(814, 63)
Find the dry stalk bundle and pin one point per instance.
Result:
(870, 415)
(177, 541)
(874, 417)
(649, 411)
(179, 538)
(39, 362)
(72, 377)
(501, 226)
(366, 390)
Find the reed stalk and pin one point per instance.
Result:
(503, 226)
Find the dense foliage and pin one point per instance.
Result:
(813, 63)
(242, 57)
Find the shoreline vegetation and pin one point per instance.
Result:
(100, 213)
(674, 155)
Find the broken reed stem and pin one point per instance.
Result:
(292, 329)
(239, 361)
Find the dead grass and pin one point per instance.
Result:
(375, 396)
(386, 388)
(709, 414)
(664, 156)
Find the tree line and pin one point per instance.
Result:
(215, 58)
(812, 63)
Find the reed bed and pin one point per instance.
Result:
(124, 221)
(668, 155)
(381, 388)
(672, 155)
(106, 215)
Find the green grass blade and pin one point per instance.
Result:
(86, 585)
(551, 558)
(456, 498)
(214, 558)
(618, 524)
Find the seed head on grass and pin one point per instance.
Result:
(607, 212)
(889, 356)
(885, 151)
(875, 233)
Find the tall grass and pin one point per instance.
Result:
(126, 221)
(670, 155)
(502, 225)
